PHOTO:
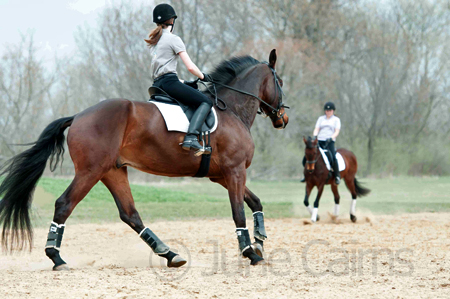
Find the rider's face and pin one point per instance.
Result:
(329, 113)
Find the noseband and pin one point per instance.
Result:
(315, 154)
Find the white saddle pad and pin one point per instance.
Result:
(175, 118)
(340, 160)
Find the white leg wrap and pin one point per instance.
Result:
(353, 207)
(336, 210)
(309, 210)
(314, 215)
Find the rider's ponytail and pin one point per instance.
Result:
(155, 35)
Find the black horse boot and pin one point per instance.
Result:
(337, 174)
(191, 140)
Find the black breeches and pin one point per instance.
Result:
(329, 146)
(183, 93)
(331, 149)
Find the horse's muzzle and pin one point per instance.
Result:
(281, 121)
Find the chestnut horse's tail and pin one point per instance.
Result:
(22, 174)
(360, 191)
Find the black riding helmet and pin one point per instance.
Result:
(329, 106)
(162, 13)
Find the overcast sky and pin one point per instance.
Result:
(54, 22)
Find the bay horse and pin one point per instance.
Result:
(317, 175)
(105, 139)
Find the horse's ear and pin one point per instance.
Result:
(315, 141)
(304, 139)
(273, 58)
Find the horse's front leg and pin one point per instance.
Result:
(259, 232)
(254, 203)
(235, 182)
(308, 190)
(314, 215)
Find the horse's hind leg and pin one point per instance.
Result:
(64, 205)
(116, 180)
(349, 182)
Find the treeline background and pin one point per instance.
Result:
(385, 64)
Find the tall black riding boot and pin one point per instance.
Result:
(337, 174)
(191, 140)
(304, 163)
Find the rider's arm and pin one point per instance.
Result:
(192, 68)
(336, 133)
(316, 131)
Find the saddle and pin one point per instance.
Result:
(159, 95)
(329, 159)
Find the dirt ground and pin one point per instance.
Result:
(399, 256)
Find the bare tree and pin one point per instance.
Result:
(24, 87)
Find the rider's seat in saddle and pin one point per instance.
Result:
(329, 159)
(159, 95)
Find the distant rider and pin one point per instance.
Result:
(327, 129)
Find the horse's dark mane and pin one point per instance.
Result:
(227, 70)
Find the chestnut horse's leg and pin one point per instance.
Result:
(308, 189)
(350, 182)
(64, 205)
(254, 203)
(337, 198)
(116, 180)
(259, 232)
(315, 216)
(312, 212)
(234, 181)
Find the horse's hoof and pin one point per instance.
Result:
(176, 262)
(318, 218)
(258, 249)
(62, 267)
(259, 263)
(353, 218)
(333, 217)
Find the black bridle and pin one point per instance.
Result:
(315, 154)
(278, 95)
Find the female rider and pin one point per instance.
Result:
(165, 48)
(327, 129)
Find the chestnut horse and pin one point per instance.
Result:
(317, 174)
(105, 139)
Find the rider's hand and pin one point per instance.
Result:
(192, 84)
(207, 78)
(329, 140)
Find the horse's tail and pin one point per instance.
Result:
(360, 191)
(22, 173)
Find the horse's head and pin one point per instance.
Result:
(273, 96)
(312, 153)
